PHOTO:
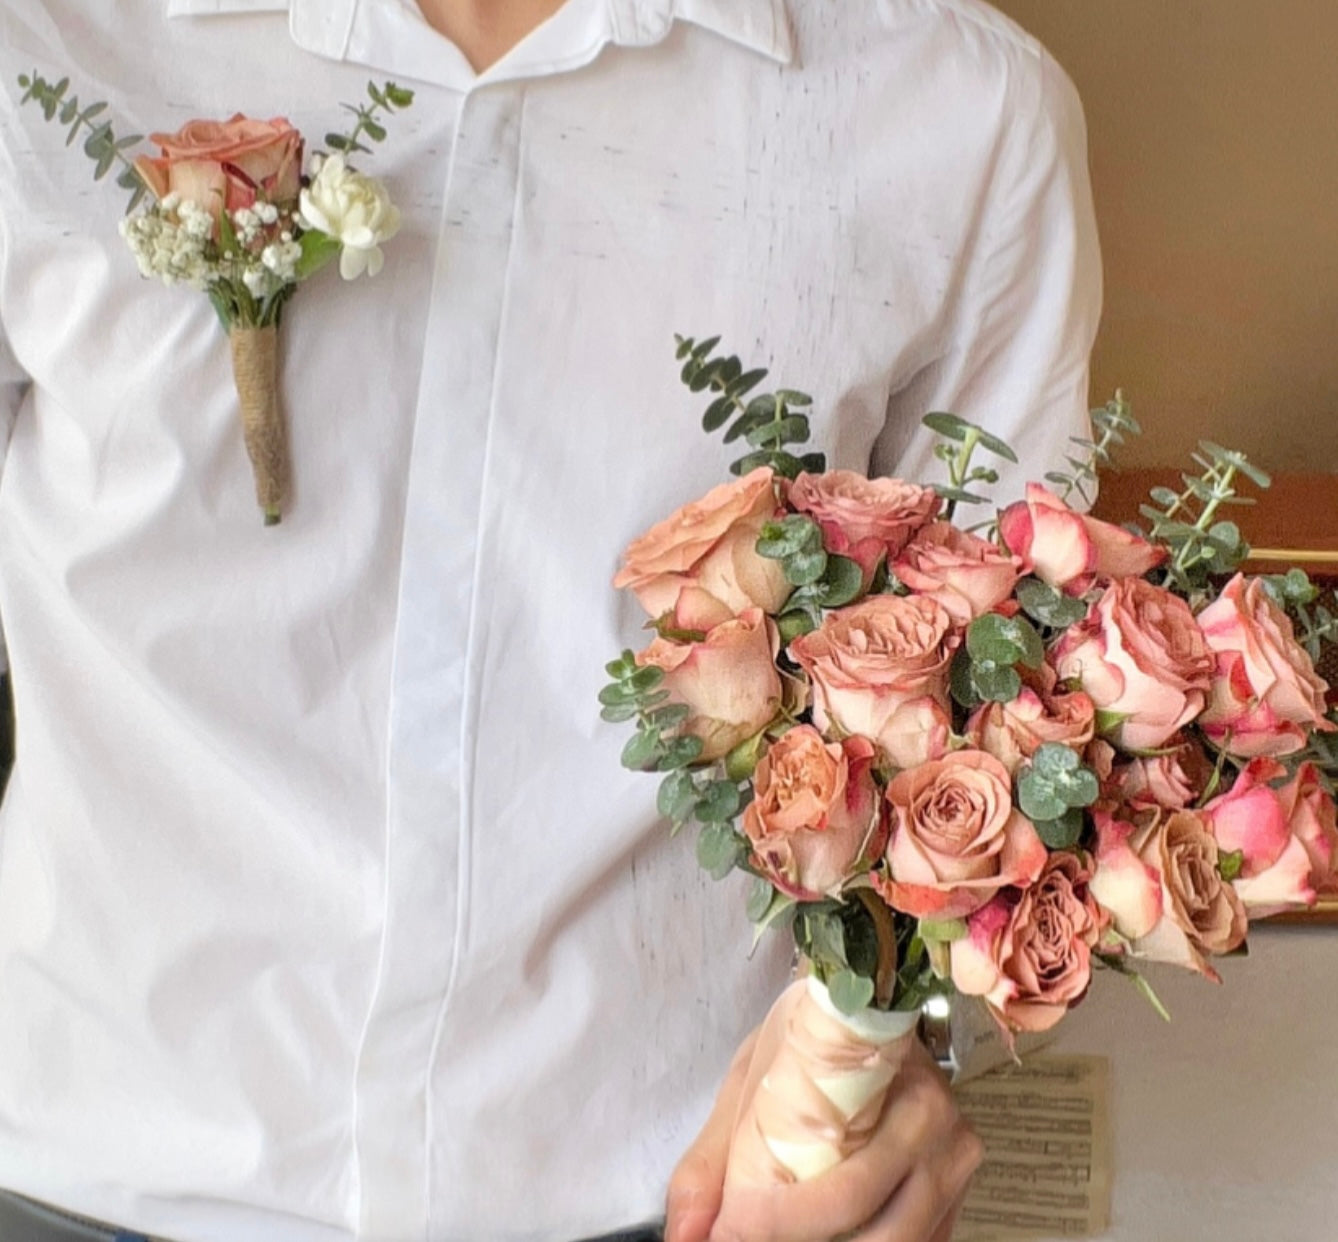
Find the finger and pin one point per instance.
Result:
(697, 1183)
(926, 1204)
(918, 1119)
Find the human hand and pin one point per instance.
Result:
(905, 1185)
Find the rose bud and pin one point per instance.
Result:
(1071, 550)
(864, 519)
(710, 543)
(1139, 654)
(956, 837)
(728, 678)
(815, 812)
(880, 669)
(1266, 696)
(968, 575)
(1030, 956)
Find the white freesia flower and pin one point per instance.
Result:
(355, 210)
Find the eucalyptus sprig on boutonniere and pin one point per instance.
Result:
(234, 216)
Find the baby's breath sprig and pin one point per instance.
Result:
(388, 98)
(101, 145)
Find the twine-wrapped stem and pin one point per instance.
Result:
(255, 358)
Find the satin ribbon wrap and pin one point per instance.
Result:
(822, 1094)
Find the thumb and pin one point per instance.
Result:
(697, 1185)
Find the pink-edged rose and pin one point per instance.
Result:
(1014, 731)
(955, 837)
(1284, 849)
(1266, 696)
(1313, 817)
(815, 814)
(1123, 883)
(1171, 779)
(1030, 955)
(1071, 550)
(227, 164)
(710, 543)
(880, 669)
(1200, 912)
(728, 678)
(968, 575)
(1139, 654)
(864, 519)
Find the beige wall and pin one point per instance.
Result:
(1213, 134)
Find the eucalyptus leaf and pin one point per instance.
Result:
(641, 751)
(719, 849)
(677, 796)
(850, 992)
(996, 682)
(1062, 832)
(947, 425)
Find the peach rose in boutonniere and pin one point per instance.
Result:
(710, 543)
(231, 164)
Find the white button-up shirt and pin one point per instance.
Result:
(326, 910)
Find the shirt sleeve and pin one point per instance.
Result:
(1015, 360)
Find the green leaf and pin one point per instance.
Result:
(996, 682)
(842, 580)
(641, 751)
(760, 894)
(1229, 865)
(794, 533)
(719, 802)
(1039, 801)
(1005, 640)
(793, 624)
(942, 929)
(793, 397)
(741, 762)
(947, 425)
(646, 678)
(1063, 832)
(719, 849)
(670, 716)
(1053, 761)
(617, 714)
(805, 568)
(717, 413)
(960, 682)
(745, 382)
(1108, 721)
(337, 142)
(960, 495)
(1045, 604)
(1164, 496)
(677, 796)
(814, 463)
(400, 96)
(996, 446)
(791, 430)
(679, 752)
(825, 938)
(850, 992)
(617, 694)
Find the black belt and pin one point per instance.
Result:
(25, 1220)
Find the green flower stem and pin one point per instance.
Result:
(1098, 454)
(1222, 490)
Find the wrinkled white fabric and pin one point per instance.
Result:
(325, 908)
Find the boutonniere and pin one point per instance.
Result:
(231, 212)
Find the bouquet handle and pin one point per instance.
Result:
(822, 1095)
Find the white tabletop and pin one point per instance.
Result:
(1225, 1121)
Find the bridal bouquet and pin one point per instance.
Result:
(978, 760)
(232, 214)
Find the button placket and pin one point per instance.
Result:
(428, 846)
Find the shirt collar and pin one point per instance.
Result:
(325, 26)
